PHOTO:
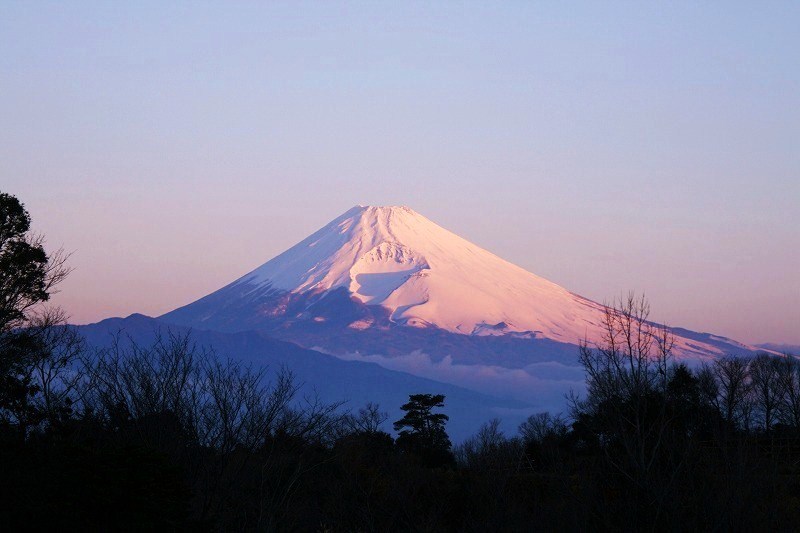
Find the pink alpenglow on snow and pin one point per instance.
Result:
(419, 275)
(396, 258)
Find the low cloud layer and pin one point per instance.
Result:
(543, 385)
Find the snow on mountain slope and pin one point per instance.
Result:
(373, 269)
(386, 285)
(426, 275)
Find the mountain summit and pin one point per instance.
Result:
(398, 278)
(425, 276)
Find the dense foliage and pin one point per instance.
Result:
(421, 432)
(32, 352)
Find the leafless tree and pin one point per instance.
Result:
(633, 356)
(789, 385)
(220, 403)
(490, 449)
(173, 394)
(766, 388)
(55, 368)
(145, 380)
(627, 379)
(732, 385)
(540, 426)
(370, 419)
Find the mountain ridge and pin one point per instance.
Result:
(380, 268)
(334, 379)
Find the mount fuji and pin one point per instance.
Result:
(387, 285)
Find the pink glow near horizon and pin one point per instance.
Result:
(622, 148)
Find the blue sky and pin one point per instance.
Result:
(605, 146)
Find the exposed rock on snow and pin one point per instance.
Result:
(397, 268)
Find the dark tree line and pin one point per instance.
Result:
(170, 436)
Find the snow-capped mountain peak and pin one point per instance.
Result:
(424, 275)
(379, 268)
(386, 285)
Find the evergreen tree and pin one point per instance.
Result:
(422, 432)
(27, 278)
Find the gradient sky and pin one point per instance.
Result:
(604, 146)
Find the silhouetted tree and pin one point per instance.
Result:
(766, 385)
(627, 376)
(28, 276)
(422, 432)
(543, 436)
(728, 386)
(369, 419)
(689, 415)
(789, 379)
